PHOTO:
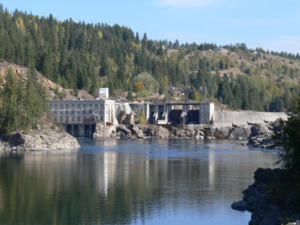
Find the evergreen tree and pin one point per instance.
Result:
(9, 108)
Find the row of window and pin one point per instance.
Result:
(77, 112)
(61, 119)
(73, 105)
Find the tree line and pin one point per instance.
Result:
(24, 102)
(77, 55)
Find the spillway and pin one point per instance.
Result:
(226, 119)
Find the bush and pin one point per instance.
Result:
(290, 136)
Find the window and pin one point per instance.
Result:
(84, 111)
(72, 118)
(55, 119)
(61, 118)
(78, 118)
(90, 111)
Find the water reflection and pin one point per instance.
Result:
(142, 181)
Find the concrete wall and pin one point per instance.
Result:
(206, 112)
(226, 119)
(135, 107)
(122, 106)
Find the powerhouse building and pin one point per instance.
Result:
(83, 111)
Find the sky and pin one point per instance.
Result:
(270, 24)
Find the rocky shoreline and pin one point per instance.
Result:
(257, 135)
(39, 139)
(273, 199)
(133, 131)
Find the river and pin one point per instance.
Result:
(129, 182)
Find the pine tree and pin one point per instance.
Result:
(9, 105)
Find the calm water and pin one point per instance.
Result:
(129, 182)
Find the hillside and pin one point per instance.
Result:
(78, 56)
(267, 66)
(53, 90)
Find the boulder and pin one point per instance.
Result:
(240, 205)
(221, 133)
(157, 131)
(241, 132)
(130, 118)
(260, 129)
(136, 131)
(102, 131)
(125, 131)
(122, 118)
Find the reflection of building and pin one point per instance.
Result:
(83, 111)
(106, 169)
(211, 168)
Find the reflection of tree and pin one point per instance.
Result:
(114, 186)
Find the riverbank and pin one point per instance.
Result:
(273, 199)
(41, 137)
(257, 135)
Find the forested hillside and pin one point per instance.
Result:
(89, 56)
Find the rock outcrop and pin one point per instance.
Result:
(48, 138)
(102, 131)
(239, 132)
(262, 135)
(271, 198)
(126, 119)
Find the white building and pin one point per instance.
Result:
(103, 92)
(221, 50)
(83, 111)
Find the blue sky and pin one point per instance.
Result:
(273, 25)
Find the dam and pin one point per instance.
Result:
(80, 116)
(200, 113)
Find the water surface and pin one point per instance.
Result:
(129, 182)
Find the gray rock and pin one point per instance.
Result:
(239, 132)
(125, 130)
(103, 131)
(158, 131)
(136, 131)
(221, 133)
(240, 205)
(260, 129)
(40, 139)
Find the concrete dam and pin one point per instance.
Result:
(226, 119)
(164, 113)
(80, 116)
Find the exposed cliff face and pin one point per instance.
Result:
(48, 138)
